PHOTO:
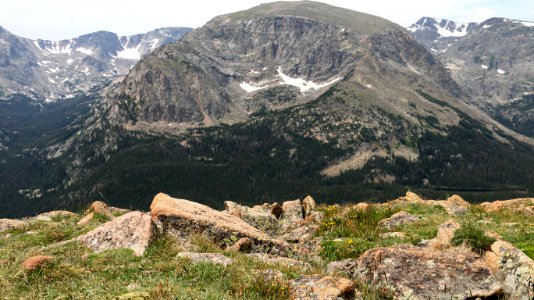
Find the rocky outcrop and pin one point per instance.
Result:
(445, 234)
(524, 205)
(259, 216)
(418, 273)
(215, 258)
(182, 217)
(346, 267)
(317, 287)
(133, 230)
(398, 219)
(242, 245)
(308, 205)
(513, 269)
(48, 216)
(7, 224)
(455, 205)
(99, 207)
(34, 262)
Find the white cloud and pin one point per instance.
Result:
(59, 19)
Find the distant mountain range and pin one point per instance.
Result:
(52, 70)
(269, 103)
(493, 62)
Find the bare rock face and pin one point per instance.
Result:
(410, 198)
(308, 205)
(513, 268)
(422, 273)
(215, 258)
(398, 219)
(34, 262)
(182, 217)
(524, 205)
(259, 216)
(133, 230)
(7, 224)
(322, 288)
(455, 205)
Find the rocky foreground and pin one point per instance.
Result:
(408, 248)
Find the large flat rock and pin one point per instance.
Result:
(184, 217)
(133, 230)
(422, 273)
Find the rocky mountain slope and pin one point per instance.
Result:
(405, 248)
(51, 70)
(273, 102)
(438, 35)
(493, 63)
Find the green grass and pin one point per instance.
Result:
(76, 272)
(473, 236)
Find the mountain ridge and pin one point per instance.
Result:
(52, 70)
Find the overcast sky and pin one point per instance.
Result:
(62, 19)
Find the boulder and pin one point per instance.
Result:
(524, 205)
(8, 224)
(423, 273)
(48, 216)
(215, 258)
(319, 287)
(308, 205)
(279, 260)
(259, 216)
(392, 235)
(133, 230)
(99, 207)
(455, 205)
(346, 267)
(34, 262)
(300, 232)
(182, 217)
(410, 198)
(398, 219)
(85, 220)
(512, 268)
(292, 211)
(444, 236)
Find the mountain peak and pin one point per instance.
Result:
(341, 17)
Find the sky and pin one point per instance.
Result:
(63, 19)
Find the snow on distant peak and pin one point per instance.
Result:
(130, 53)
(459, 30)
(84, 51)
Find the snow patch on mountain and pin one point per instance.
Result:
(84, 51)
(130, 53)
(303, 84)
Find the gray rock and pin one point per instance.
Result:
(133, 230)
(424, 273)
(215, 258)
(398, 219)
